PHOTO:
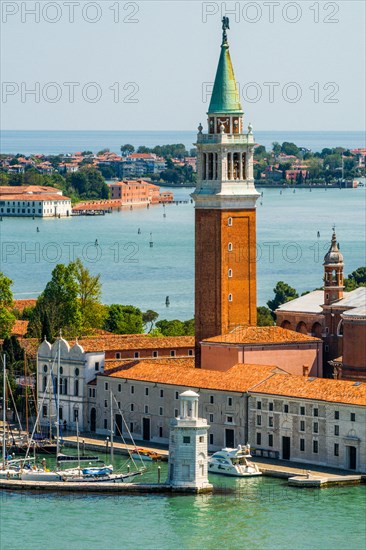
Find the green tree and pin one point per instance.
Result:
(289, 148)
(89, 292)
(127, 149)
(283, 293)
(148, 318)
(276, 148)
(176, 327)
(6, 295)
(124, 319)
(7, 320)
(58, 306)
(355, 279)
(264, 317)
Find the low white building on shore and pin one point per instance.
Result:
(33, 201)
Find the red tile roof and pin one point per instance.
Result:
(320, 389)
(181, 372)
(23, 303)
(131, 342)
(261, 335)
(20, 328)
(36, 197)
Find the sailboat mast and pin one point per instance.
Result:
(58, 399)
(26, 393)
(112, 424)
(4, 408)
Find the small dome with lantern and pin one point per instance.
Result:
(333, 256)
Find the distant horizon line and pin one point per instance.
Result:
(176, 130)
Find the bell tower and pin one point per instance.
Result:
(225, 212)
(333, 273)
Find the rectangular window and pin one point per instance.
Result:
(155, 354)
(106, 386)
(131, 426)
(211, 399)
(146, 391)
(190, 352)
(93, 392)
(259, 420)
(119, 387)
(44, 411)
(259, 405)
(270, 406)
(336, 415)
(105, 424)
(285, 408)
(176, 413)
(132, 389)
(161, 393)
(302, 444)
(211, 439)
(160, 431)
(211, 417)
(270, 421)
(132, 407)
(177, 395)
(96, 365)
(336, 449)
(259, 438)
(105, 403)
(161, 412)
(316, 412)
(172, 353)
(315, 446)
(118, 355)
(229, 419)
(270, 440)
(302, 411)
(186, 439)
(302, 425)
(229, 401)
(353, 417)
(336, 430)
(60, 413)
(146, 409)
(136, 354)
(315, 427)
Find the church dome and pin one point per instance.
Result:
(333, 256)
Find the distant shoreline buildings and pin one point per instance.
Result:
(33, 201)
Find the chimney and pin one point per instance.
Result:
(305, 370)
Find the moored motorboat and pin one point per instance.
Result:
(146, 454)
(233, 462)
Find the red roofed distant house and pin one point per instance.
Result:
(33, 200)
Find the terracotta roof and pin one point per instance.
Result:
(23, 189)
(181, 372)
(23, 303)
(319, 389)
(128, 341)
(20, 328)
(261, 335)
(35, 197)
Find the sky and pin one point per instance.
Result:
(147, 65)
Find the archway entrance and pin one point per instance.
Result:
(316, 330)
(301, 327)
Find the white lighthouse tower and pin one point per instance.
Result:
(188, 447)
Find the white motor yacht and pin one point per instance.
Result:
(233, 462)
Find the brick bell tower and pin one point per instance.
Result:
(225, 212)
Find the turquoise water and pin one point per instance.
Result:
(64, 141)
(132, 272)
(258, 513)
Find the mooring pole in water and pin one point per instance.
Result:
(159, 473)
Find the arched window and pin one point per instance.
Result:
(340, 328)
(44, 368)
(230, 297)
(77, 372)
(230, 273)
(230, 247)
(230, 222)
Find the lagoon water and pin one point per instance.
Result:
(260, 513)
(134, 273)
(67, 141)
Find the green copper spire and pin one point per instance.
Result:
(225, 94)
